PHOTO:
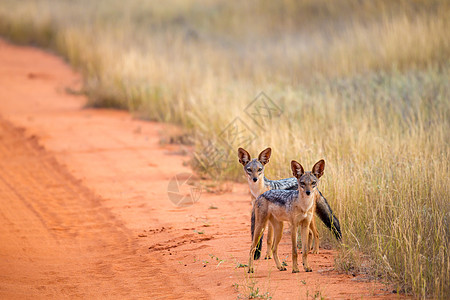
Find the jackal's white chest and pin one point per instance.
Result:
(302, 216)
(304, 209)
(306, 204)
(256, 188)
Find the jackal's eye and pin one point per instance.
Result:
(313, 183)
(260, 169)
(249, 170)
(302, 184)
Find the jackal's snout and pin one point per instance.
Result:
(255, 179)
(308, 192)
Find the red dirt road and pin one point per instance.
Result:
(85, 211)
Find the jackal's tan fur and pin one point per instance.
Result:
(296, 207)
(258, 184)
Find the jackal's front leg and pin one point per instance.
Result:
(269, 241)
(294, 248)
(259, 229)
(305, 244)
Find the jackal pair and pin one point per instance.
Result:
(293, 200)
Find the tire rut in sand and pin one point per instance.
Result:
(58, 239)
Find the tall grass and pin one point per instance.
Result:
(363, 84)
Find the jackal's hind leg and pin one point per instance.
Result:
(313, 232)
(310, 240)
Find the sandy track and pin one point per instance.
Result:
(58, 239)
(85, 212)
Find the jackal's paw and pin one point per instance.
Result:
(315, 251)
(250, 270)
(282, 268)
(268, 256)
(308, 269)
(295, 271)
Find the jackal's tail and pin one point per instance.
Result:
(257, 254)
(323, 210)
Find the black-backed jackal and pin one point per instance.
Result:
(258, 184)
(296, 207)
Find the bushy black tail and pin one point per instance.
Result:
(323, 210)
(259, 245)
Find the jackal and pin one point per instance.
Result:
(258, 184)
(296, 207)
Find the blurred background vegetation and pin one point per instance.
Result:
(363, 84)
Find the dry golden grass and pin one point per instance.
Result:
(363, 84)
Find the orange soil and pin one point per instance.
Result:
(85, 210)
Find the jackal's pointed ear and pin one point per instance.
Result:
(264, 156)
(244, 156)
(297, 169)
(318, 168)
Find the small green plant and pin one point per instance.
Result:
(220, 261)
(316, 295)
(236, 287)
(253, 292)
